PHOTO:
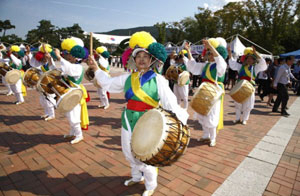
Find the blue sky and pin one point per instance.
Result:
(99, 15)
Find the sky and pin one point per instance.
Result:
(99, 15)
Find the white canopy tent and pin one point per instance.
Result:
(237, 47)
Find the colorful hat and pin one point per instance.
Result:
(219, 45)
(41, 53)
(102, 50)
(73, 47)
(183, 52)
(143, 41)
(17, 49)
(248, 52)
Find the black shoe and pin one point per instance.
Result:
(286, 108)
(276, 111)
(261, 97)
(284, 113)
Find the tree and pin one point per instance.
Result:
(6, 25)
(11, 39)
(45, 32)
(161, 28)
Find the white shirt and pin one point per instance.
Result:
(283, 75)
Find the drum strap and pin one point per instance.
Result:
(138, 91)
(78, 81)
(45, 68)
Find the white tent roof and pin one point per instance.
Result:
(237, 48)
(109, 39)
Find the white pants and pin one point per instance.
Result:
(210, 121)
(74, 120)
(242, 111)
(138, 168)
(182, 94)
(17, 89)
(48, 105)
(7, 85)
(103, 96)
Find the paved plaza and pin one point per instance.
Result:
(260, 158)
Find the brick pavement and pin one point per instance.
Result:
(35, 160)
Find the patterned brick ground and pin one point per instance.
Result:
(35, 160)
(286, 178)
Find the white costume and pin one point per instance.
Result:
(101, 92)
(211, 120)
(168, 101)
(17, 88)
(6, 61)
(75, 71)
(243, 110)
(47, 101)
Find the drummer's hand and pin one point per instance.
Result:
(187, 46)
(57, 54)
(92, 63)
(206, 43)
(47, 56)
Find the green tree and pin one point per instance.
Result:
(11, 39)
(161, 28)
(6, 25)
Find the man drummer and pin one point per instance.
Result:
(103, 55)
(144, 90)
(252, 63)
(181, 92)
(210, 71)
(5, 60)
(15, 54)
(78, 116)
(44, 62)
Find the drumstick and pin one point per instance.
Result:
(91, 43)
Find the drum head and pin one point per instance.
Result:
(237, 87)
(149, 134)
(69, 100)
(13, 76)
(183, 78)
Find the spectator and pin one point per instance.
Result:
(281, 82)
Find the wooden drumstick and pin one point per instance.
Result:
(91, 43)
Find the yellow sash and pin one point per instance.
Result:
(23, 87)
(247, 71)
(84, 117)
(221, 122)
(138, 91)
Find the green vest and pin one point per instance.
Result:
(150, 88)
(16, 67)
(79, 80)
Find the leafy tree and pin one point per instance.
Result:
(6, 25)
(161, 27)
(11, 39)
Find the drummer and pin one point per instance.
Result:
(15, 54)
(78, 116)
(213, 69)
(181, 92)
(252, 63)
(103, 54)
(5, 59)
(44, 62)
(154, 91)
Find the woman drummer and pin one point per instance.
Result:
(210, 71)
(144, 89)
(252, 63)
(44, 62)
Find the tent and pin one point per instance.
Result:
(296, 54)
(237, 47)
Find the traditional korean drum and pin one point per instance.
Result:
(31, 77)
(241, 91)
(159, 138)
(67, 97)
(205, 97)
(177, 74)
(10, 74)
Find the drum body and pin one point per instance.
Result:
(178, 75)
(205, 97)
(31, 77)
(10, 74)
(242, 91)
(67, 97)
(159, 138)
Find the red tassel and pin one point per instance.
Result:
(39, 56)
(108, 95)
(85, 129)
(88, 98)
(204, 52)
(243, 58)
